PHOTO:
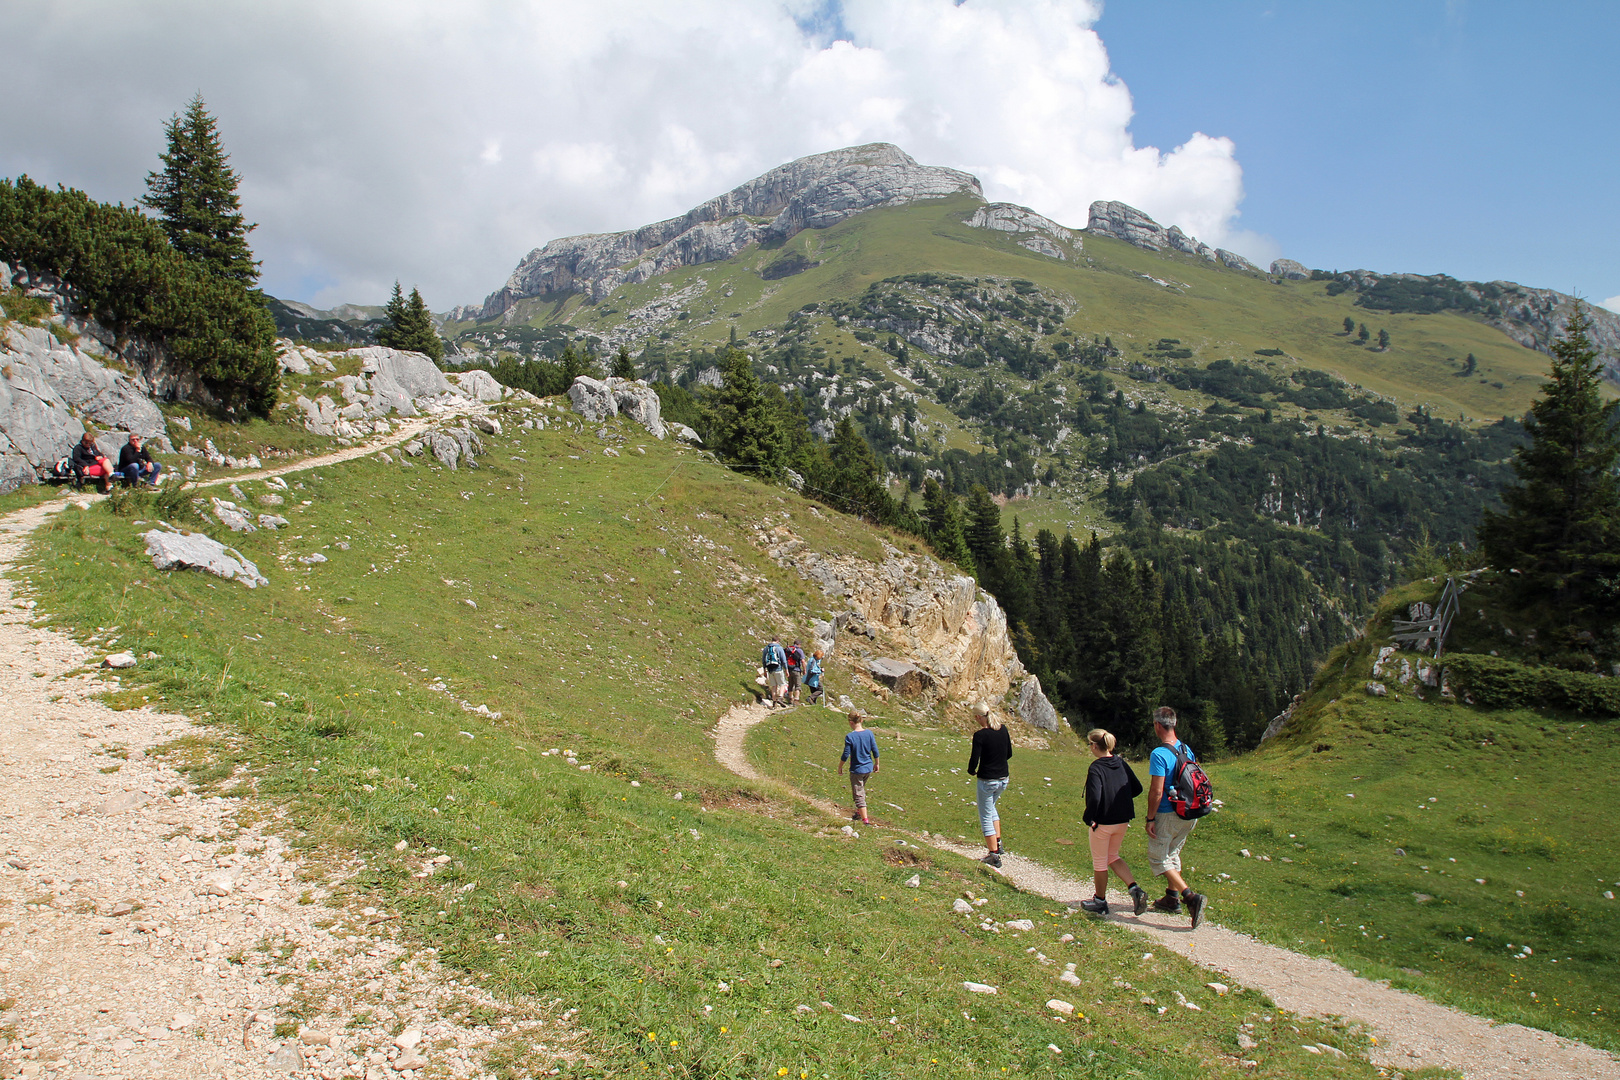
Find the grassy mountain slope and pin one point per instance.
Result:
(1215, 311)
(1366, 826)
(619, 607)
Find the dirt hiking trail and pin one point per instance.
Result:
(149, 931)
(1412, 1031)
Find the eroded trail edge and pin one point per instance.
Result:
(1412, 1031)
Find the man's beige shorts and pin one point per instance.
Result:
(1164, 850)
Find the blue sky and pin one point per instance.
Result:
(439, 143)
(1480, 140)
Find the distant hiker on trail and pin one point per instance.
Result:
(135, 463)
(812, 676)
(87, 460)
(1111, 791)
(861, 751)
(774, 660)
(1167, 831)
(992, 746)
(795, 669)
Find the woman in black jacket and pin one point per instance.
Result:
(992, 746)
(1111, 790)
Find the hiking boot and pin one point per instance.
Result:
(1139, 900)
(1170, 904)
(1195, 907)
(992, 859)
(1096, 905)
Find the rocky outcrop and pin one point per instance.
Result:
(390, 383)
(1129, 224)
(53, 387)
(810, 193)
(602, 399)
(1289, 270)
(1039, 234)
(932, 633)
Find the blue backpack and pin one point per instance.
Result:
(773, 659)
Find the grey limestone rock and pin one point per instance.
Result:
(194, 551)
(1129, 224)
(810, 193)
(477, 384)
(686, 434)
(444, 447)
(1033, 706)
(597, 400)
(272, 521)
(232, 516)
(1040, 234)
(1289, 270)
(592, 399)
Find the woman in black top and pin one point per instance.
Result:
(992, 746)
(1111, 791)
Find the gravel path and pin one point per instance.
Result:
(1412, 1031)
(148, 931)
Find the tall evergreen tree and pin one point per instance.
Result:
(1561, 524)
(410, 326)
(943, 520)
(195, 197)
(743, 427)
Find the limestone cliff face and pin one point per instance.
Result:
(909, 608)
(810, 193)
(1129, 224)
(1038, 234)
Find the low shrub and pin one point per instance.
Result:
(1498, 683)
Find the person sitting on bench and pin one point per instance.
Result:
(87, 460)
(135, 463)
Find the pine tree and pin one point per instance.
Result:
(410, 326)
(623, 366)
(1561, 524)
(744, 428)
(943, 520)
(195, 197)
(1349, 325)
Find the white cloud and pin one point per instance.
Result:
(438, 143)
(1613, 304)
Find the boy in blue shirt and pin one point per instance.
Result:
(861, 751)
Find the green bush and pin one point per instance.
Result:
(1498, 683)
(134, 282)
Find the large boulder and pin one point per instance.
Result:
(593, 399)
(901, 676)
(194, 551)
(1034, 708)
(478, 384)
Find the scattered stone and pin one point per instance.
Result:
(979, 988)
(914, 881)
(1060, 1006)
(1422, 897)
(1021, 924)
(119, 660)
(960, 906)
(408, 1038)
(1376, 689)
(311, 1037)
(124, 801)
(181, 1021)
(1069, 978)
(1246, 1042)
(1219, 988)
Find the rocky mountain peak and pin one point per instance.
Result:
(1129, 224)
(811, 193)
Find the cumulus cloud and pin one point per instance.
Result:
(1613, 304)
(438, 143)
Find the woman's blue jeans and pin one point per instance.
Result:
(989, 792)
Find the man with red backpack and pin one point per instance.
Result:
(795, 671)
(1178, 795)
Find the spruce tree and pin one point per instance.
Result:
(195, 197)
(745, 430)
(623, 366)
(1561, 524)
(943, 520)
(410, 326)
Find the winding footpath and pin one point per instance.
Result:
(1412, 1031)
(147, 930)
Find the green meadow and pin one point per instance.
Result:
(1425, 843)
(612, 606)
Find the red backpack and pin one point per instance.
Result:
(1191, 794)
